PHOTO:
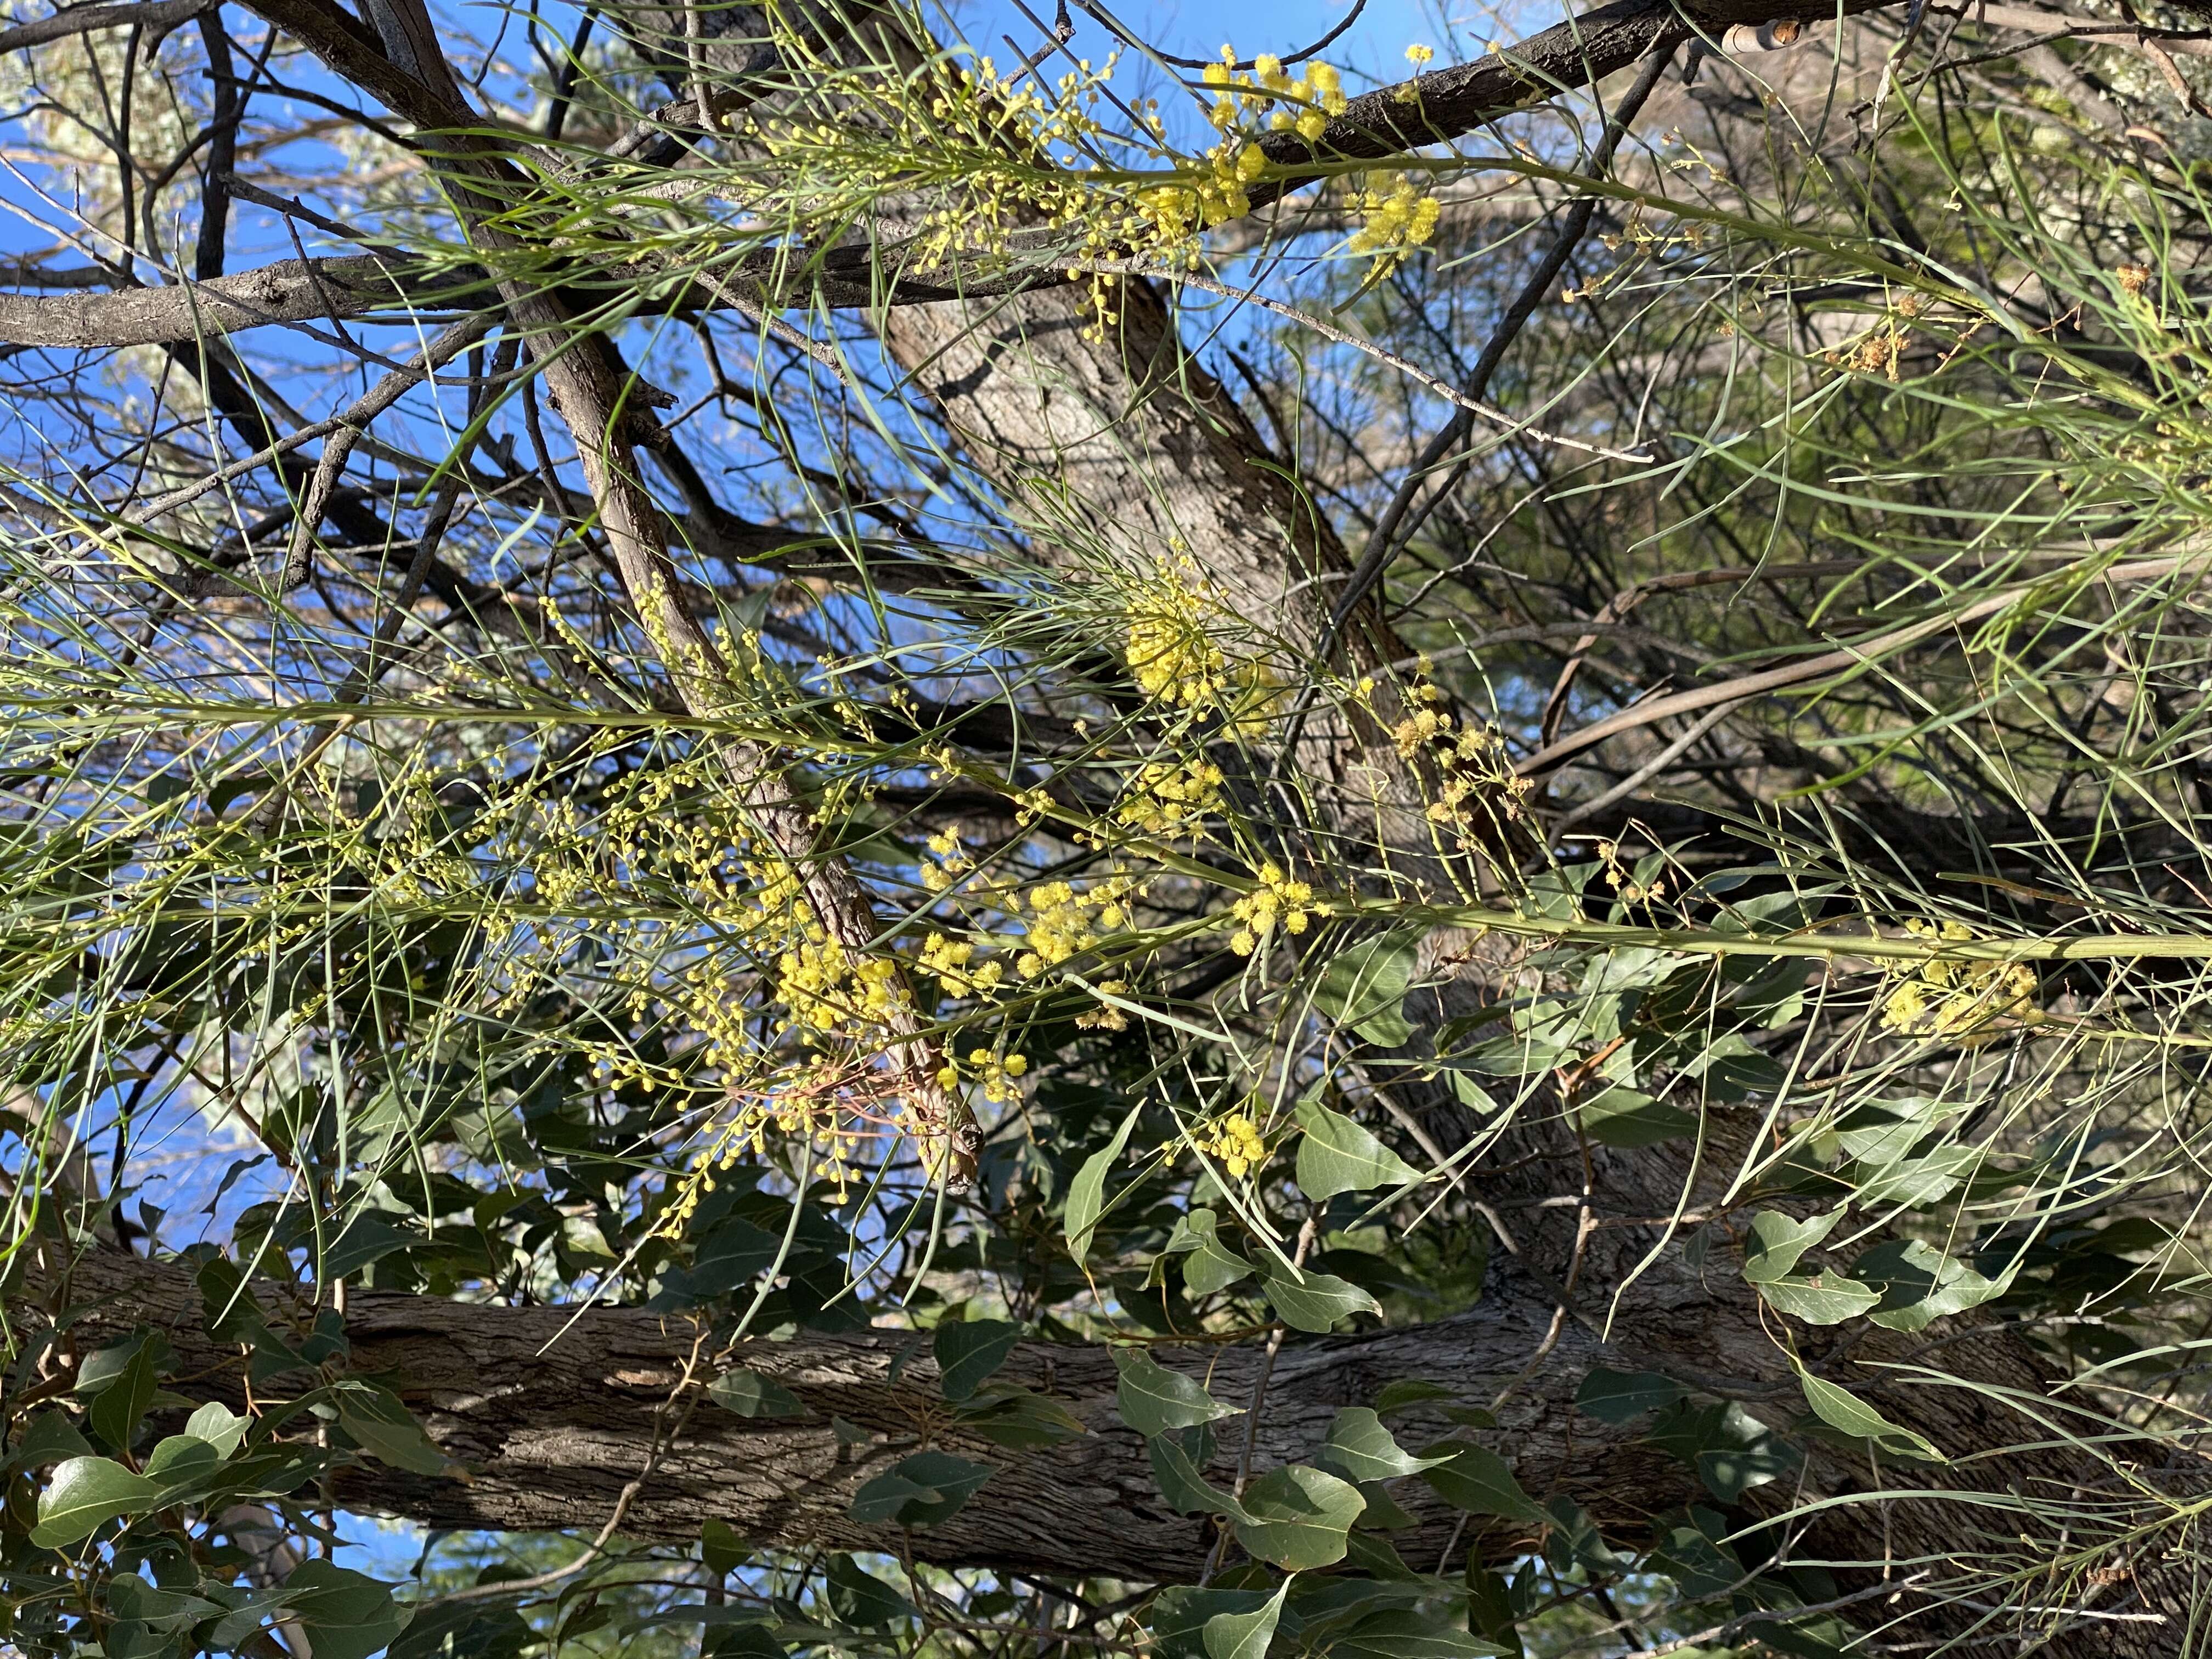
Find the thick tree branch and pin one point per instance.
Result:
(548, 1410)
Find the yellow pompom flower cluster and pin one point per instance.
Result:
(1277, 899)
(1174, 658)
(826, 991)
(998, 1075)
(1237, 1141)
(1214, 188)
(946, 959)
(1171, 799)
(1471, 762)
(1945, 997)
(1064, 919)
(1215, 194)
(1239, 97)
(946, 864)
(1396, 224)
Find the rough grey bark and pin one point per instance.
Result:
(549, 1412)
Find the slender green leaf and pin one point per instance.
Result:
(1086, 1194)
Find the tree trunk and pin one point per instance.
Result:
(550, 1411)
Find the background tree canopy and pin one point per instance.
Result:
(829, 829)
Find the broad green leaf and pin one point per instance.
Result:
(1921, 1179)
(858, 1597)
(749, 1394)
(217, 1424)
(888, 1497)
(1182, 1484)
(84, 1492)
(1698, 1563)
(382, 1426)
(1409, 1391)
(1776, 1242)
(1490, 1603)
(1336, 1155)
(48, 1438)
(1574, 1539)
(227, 1305)
(1476, 1479)
(366, 1239)
(1211, 1265)
(1245, 1635)
(1181, 1613)
(1318, 1302)
(1731, 1450)
(1882, 1133)
(121, 1393)
(1822, 1299)
(1153, 1400)
(732, 1253)
(1842, 1410)
(1361, 1449)
(1628, 1119)
(1365, 986)
(919, 1491)
(1086, 1194)
(180, 1463)
(1620, 1396)
(348, 1615)
(1919, 1283)
(1019, 1419)
(1299, 1516)
(130, 1597)
(1408, 1633)
(969, 1353)
(722, 1549)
